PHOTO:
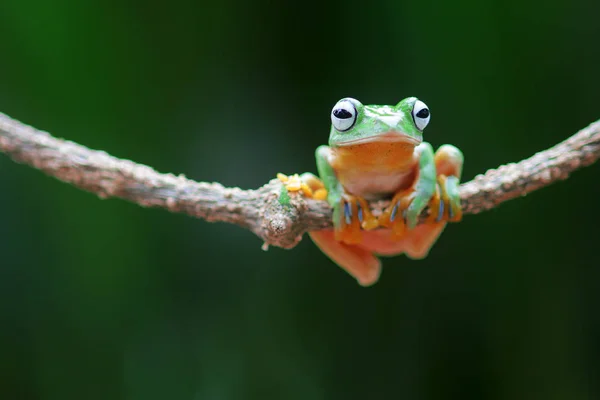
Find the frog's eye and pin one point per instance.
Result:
(420, 114)
(343, 115)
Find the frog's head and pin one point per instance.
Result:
(354, 123)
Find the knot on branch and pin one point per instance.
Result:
(281, 218)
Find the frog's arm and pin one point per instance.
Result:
(444, 206)
(332, 184)
(406, 205)
(327, 175)
(425, 185)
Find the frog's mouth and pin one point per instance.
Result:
(385, 137)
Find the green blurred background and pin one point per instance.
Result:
(107, 300)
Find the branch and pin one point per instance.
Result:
(279, 223)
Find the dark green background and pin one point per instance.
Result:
(107, 300)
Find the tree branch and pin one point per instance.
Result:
(277, 222)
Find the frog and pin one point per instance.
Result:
(377, 152)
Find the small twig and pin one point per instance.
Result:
(261, 210)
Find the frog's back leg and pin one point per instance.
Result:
(358, 262)
(415, 243)
(422, 239)
(448, 163)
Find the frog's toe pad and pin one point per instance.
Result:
(307, 183)
(445, 203)
(355, 215)
(396, 215)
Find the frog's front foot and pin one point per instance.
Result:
(351, 215)
(402, 213)
(309, 184)
(445, 203)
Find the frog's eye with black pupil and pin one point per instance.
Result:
(343, 115)
(420, 114)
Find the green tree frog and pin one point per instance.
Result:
(377, 152)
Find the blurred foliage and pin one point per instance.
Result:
(106, 300)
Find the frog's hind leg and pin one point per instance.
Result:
(445, 204)
(358, 262)
(422, 238)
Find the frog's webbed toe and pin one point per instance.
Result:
(350, 216)
(309, 184)
(402, 213)
(445, 203)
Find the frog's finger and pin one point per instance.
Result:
(437, 204)
(367, 220)
(415, 208)
(452, 197)
(445, 204)
(349, 230)
(312, 181)
(352, 214)
(282, 177)
(395, 214)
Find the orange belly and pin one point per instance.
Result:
(383, 156)
(374, 170)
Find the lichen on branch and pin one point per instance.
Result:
(261, 211)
